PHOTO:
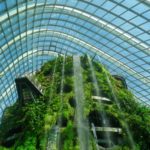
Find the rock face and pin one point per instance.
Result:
(77, 110)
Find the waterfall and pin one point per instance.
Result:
(61, 100)
(52, 84)
(95, 135)
(82, 125)
(52, 134)
(119, 107)
(98, 93)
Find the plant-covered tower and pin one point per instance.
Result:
(82, 107)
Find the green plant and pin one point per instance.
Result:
(40, 116)
(68, 136)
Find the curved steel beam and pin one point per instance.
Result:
(86, 45)
(99, 22)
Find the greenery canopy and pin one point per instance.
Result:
(29, 127)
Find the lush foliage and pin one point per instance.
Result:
(32, 123)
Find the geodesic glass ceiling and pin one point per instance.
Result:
(114, 32)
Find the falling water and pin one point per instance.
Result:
(95, 135)
(51, 141)
(119, 107)
(82, 125)
(61, 106)
(98, 93)
(52, 84)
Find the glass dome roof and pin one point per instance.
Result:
(114, 32)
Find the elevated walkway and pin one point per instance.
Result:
(28, 89)
(107, 134)
(101, 133)
(108, 129)
(102, 99)
(35, 82)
